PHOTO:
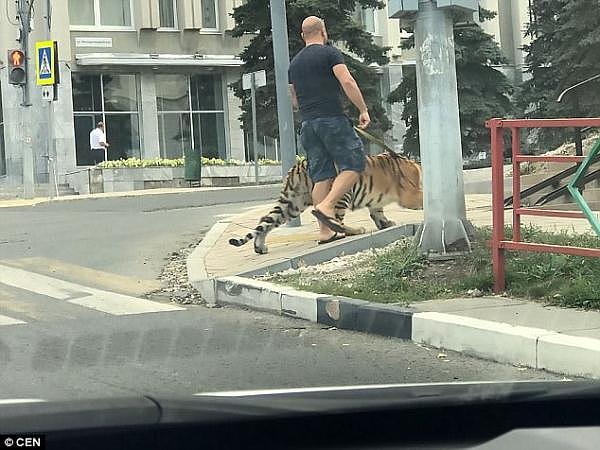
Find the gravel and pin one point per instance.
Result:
(175, 280)
(341, 268)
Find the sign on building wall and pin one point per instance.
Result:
(45, 63)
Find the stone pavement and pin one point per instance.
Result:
(223, 259)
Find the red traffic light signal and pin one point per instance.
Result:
(16, 67)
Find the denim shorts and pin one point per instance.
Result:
(331, 146)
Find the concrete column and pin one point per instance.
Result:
(150, 144)
(233, 112)
(11, 98)
(64, 126)
(444, 228)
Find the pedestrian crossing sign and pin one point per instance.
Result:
(45, 63)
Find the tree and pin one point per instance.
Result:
(564, 50)
(483, 91)
(360, 52)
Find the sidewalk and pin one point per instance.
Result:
(267, 191)
(223, 259)
(518, 332)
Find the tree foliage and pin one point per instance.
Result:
(344, 30)
(483, 91)
(564, 50)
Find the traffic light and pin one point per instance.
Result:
(16, 68)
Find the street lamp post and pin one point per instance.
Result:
(445, 229)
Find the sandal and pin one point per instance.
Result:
(336, 237)
(330, 222)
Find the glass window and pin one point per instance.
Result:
(207, 94)
(81, 12)
(174, 134)
(172, 92)
(210, 10)
(191, 114)
(112, 99)
(367, 18)
(2, 151)
(209, 134)
(110, 13)
(115, 12)
(123, 134)
(120, 92)
(87, 93)
(84, 123)
(168, 13)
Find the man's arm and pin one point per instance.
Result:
(294, 97)
(352, 91)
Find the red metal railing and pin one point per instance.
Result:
(499, 242)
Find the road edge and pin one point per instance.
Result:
(497, 341)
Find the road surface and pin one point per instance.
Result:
(73, 325)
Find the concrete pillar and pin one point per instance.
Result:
(444, 228)
(64, 126)
(233, 112)
(11, 97)
(149, 141)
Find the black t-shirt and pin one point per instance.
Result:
(317, 89)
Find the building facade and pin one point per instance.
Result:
(156, 72)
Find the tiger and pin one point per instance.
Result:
(387, 178)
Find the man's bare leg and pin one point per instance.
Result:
(319, 193)
(341, 185)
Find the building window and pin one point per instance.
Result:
(2, 148)
(191, 115)
(368, 20)
(100, 13)
(112, 99)
(168, 13)
(210, 14)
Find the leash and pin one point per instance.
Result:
(369, 137)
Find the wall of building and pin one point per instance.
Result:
(30, 126)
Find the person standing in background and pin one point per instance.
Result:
(98, 143)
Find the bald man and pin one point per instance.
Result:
(317, 77)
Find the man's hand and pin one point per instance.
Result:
(364, 120)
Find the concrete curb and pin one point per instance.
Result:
(533, 347)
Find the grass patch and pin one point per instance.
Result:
(402, 274)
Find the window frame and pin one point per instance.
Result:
(191, 112)
(362, 12)
(216, 29)
(175, 26)
(104, 112)
(97, 26)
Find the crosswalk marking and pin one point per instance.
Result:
(104, 301)
(5, 320)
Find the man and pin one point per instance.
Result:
(317, 75)
(98, 143)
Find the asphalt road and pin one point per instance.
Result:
(206, 350)
(72, 325)
(126, 236)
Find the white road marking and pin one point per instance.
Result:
(249, 393)
(5, 320)
(16, 401)
(105, 301)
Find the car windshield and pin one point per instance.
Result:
(216, 196)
